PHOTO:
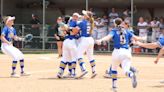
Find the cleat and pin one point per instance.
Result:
(14, 75)
(59, 76)
(93, 75)
(83, 74)
(134, 70)
(107, 76)
(67, 76)
(134, 81)
(25, 74)
(114, 89)
(73, 76)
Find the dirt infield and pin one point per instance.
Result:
(44, 67)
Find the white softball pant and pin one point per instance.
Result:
(12, 51)
(121, 56)
(69, 50)
(86, 45)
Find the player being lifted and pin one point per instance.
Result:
(7, 36)
(121, 54)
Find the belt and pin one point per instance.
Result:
(86, 35)
(121, 47)
(70, 37)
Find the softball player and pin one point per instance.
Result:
(133, 69)
(86, 43)
(8, 34)
(121, 54)
(69, 49)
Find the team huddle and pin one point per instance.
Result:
(78, 40)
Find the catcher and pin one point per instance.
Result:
(8, 35)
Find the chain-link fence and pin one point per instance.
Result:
(46, 40)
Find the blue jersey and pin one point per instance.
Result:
(9, 33)
(161, 41)
(121, 39)
(85, 27)
(71, 24)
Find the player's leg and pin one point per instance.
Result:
(59, 47)
(73, 52)
(89, 52)
(9, 50)
(126, 63)
(115, 64)
(80, 51)
(21, 59)
(63, 61)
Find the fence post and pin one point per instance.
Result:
(23, 27)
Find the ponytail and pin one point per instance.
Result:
(92, 25)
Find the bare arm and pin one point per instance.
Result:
(106, 38)
(160, 54)
(149, 45)
(16, 38)
(137, 38)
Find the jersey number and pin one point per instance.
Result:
(88, 28)
(122, 38)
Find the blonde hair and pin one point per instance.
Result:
(5, 18)
(91, 20)
(92, 25)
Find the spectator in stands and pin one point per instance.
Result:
(35, 31)
(59, 37)
(112, 15)
(102, 30)
(126, 16)
(105, 20)
(155, 29)
(93, 12)
(142, 27)
(161, 25)
(126, 12)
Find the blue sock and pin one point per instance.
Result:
(82, 64)
(110, 70)
(14, 64)
(70, 67)
(114, 78)
(22, 65)
(62, 67)
(74, 68)
(93, 64)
